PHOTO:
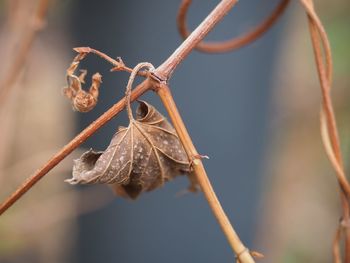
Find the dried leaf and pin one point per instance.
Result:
(139, 158)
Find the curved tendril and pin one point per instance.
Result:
(236, 42)
(133, 74)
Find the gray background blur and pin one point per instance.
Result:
(224, 100)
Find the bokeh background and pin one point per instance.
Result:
(253, 111)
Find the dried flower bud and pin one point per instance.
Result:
(82, 101)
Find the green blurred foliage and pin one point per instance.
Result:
(339, 34)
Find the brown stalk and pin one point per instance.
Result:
(336, 247)
(243, 254)
(329, 130)
(25, 43)
(236, 42)
(118, 64)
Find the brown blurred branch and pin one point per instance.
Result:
(236, 42)
(25, 43)
(329, 129)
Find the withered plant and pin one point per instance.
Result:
(149, 152)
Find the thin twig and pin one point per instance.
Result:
(336, 247)
(165, 70)
(329, 129)
(21, 54)
(236, 42)
(201, 176)
(117, 63)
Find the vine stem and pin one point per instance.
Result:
(236, 42)
(329, 131)
(243, 254)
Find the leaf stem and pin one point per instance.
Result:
(117, 63)
(133, 74)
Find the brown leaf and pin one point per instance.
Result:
(139, 158)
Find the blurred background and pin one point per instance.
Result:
(254, 111)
